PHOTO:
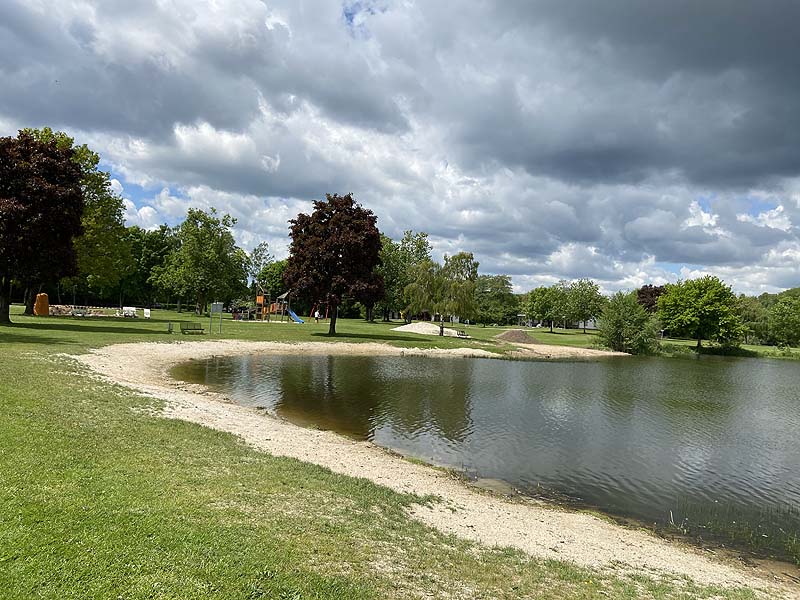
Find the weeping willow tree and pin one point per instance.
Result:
(444, 289)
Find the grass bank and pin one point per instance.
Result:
(100, 498)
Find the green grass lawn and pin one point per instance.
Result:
(101, 498)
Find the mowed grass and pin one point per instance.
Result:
(102, 498)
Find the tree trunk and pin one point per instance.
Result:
(5, 302)
(334, 313)
(551, 325)
(179, 305)
(386, 315)
(699, 343)
(441, 325)
(370, 316)
(30, 300)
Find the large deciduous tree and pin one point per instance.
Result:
(701, 309)
(648, 296)
(494, 299)
(542, 305)
(102, 250)
(444, 289)
(207, 264)
(398, 261)
(334, 252)
(585, 300)
(149, 250)
(784, 321)
(41, 203)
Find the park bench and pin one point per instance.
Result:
(461, 333)
(80, 311)
(192, 327)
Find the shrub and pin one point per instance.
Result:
(625, 326)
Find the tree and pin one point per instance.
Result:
(149, 250)
(563, 306)
(398, 260)
(333, 253)
(703, 308)
(648, 295)
(444, 289)
(784, 321)
(41, 203)
(625, 325)
(207, 264)
(271, 278)
(585, 300)
(754, 319)
(494, 299)
(259, 258)
(102, 251)
(542, 305)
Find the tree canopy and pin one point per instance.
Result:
(102, 252)
(398, 261)
(444, 289)
(585, 301)
(207, 264)
(495, 301)
(41, 204)
(784, 321)
(334, 252)
(701, 309)
(626, 326)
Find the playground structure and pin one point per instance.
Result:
(280, 308)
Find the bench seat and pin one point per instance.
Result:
(192, 327)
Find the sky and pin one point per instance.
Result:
(626, 141)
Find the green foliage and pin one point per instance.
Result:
(260, 258)
(271, 278)
(754, 319)
(541, 305)
(103, 254)
(398, 261)
(585, 300)
(784, 321)
(334, 253)
(207, 264)
(41, 203)
(444, 289)
(625, 325)
(149, 250)
(703, 308)
(494, 299)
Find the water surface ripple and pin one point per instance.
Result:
(634, 437)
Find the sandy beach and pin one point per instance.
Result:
(540, 530)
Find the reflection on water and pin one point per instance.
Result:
(636, 437)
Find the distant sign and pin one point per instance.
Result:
(216, 307)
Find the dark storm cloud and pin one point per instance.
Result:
(551, 138)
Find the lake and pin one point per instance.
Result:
(709, 446)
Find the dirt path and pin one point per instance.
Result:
(535, 528)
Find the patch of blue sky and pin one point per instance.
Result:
(355, 12)
(674, 268)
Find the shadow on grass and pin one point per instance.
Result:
(81, 327)
(7, 336)
(375, 337)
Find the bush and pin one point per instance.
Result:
(625, 326)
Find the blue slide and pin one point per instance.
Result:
(295, 318)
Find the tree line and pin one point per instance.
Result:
(62, 230)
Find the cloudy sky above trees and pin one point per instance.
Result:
(630, 142)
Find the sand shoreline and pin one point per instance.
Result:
(540, 530)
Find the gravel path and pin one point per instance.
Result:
(535, 528)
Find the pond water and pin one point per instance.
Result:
(709, 444)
